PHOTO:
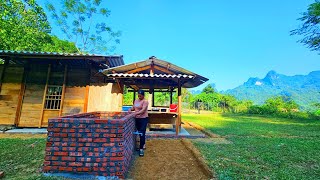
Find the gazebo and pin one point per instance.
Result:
(156, 75)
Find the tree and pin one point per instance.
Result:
(310, 27)
(77, 19)
(208, 89)
(24, 26)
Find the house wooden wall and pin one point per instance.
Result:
(31, 108)
(30, 83)
(9, 94)
(105, 97)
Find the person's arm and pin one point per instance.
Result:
(132, 108)
(144, 108)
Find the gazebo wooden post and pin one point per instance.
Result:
(171, 95)
(134, 95)
(178, 122)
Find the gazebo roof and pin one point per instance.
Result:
(155, 73)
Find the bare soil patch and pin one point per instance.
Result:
(167, 159)
(22, 136)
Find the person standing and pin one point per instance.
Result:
(140, 108)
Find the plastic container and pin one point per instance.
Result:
(126, 108)
(173, 107)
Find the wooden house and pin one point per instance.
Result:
(36, 86)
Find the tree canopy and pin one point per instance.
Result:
(24, 26)
(84, 23)
(310, 27)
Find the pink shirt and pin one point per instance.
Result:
(141, 106)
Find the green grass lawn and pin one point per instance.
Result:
(261, 148)
(22, 158)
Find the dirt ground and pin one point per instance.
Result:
(166, 159)
(22, 136)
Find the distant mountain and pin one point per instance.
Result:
(303, 89)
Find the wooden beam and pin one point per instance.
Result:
(163, 69)
(6, 63)
(21, 95)
(134, 95)
(138, 69)
(119, 85)
(44, 95)
(86, 97)
(178, 122)
(63, 89)
(152, 69)
(135, 87)
(154, 91)
(171, 96)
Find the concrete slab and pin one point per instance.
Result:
(183, 132)
(27, 131)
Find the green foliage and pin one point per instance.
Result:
(277, 106)
(310, 27)
(24, 26)
(76, 19)
(58, 45)
(208, 89)
(260, 147)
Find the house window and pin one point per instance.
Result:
(53, 97)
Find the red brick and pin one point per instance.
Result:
(68, 169)
(46, 163)
(108, 144)
(100, 140)
(58, 163)
(68, 158)
(60, 153)
(48, 144)
(85, 140)
(117, 158)
(75, 154)
(86, 169)
(100, 121)
(77, 164)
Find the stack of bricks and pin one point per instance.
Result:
(99, 144)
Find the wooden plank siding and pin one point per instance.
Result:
(32, 99)
(9, 95)
(75, 82)
(104, 97)
(75, 90)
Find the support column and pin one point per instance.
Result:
(178, 122)
(171, 95)
(63, 88)
(134, 94)
(21, 95)
(6, 63)
(44, 95)
(86, 95)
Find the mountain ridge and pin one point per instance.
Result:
(303, 89)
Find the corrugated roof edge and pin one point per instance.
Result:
(178, 68)
(53, 53)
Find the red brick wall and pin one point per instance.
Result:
(99, 143)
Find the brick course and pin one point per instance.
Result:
(97, 143)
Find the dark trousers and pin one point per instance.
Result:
(141, 125)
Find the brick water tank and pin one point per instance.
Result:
(98, 143)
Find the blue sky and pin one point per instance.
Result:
(227, 41)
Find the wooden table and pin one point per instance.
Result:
(156, 117)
